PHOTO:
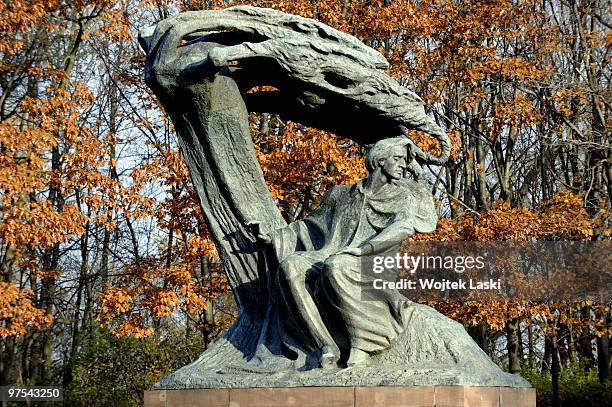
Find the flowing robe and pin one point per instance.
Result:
(351, 216)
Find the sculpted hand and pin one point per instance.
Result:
(264, 237)
(354, 251)
(259, 235)
(217, 57)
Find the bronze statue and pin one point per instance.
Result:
(373, 216)
(298, 309)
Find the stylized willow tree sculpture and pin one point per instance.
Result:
(201, 66)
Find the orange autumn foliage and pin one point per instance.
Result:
(17, 312)
(157, 286)
(31, 217)
(563, 217)
(300, 164)
(54, 181)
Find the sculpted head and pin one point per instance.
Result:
(389, 157)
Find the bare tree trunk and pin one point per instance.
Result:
(555, 371)
(546, 358)
(480, 334)
(482, 201)
(513, 345)
(75, 335)
(603, 354)
(112, 128)
(530, 346)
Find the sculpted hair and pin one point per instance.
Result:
(382, 149)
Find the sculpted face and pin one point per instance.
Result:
(395, 164)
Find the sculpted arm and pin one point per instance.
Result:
(419, 215)
(399, 230)
(306, 234)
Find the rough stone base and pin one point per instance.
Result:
(418, 396)
(432, 351)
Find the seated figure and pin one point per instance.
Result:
(319, 258)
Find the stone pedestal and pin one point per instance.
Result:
(400, 396)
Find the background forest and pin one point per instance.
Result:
(108, 278)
